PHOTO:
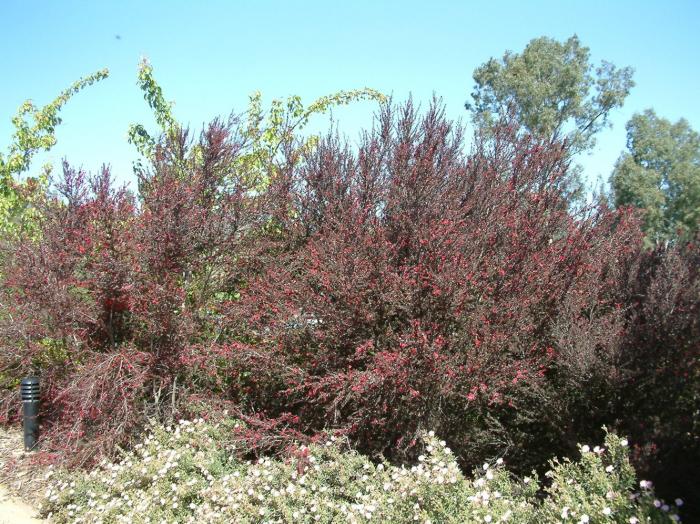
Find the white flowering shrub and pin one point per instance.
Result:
(602, 487)
(182, 474)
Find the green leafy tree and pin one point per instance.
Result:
(554, 91)
(34, 132)
(660, 173)
(265, 132)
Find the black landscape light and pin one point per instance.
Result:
(29, 391)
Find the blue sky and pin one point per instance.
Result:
(208, 56)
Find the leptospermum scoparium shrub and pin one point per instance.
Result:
(415, 286)
(658, 395)
(105, 302)
(376, 293)
(181, 474)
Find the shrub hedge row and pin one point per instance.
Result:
(375, 291)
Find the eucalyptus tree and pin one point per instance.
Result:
(660, 174)
(555, 92)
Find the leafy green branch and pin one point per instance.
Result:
(34, 132)
(265, 133)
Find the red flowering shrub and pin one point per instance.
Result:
(405, 286)
(658, 400)
(106, 304)
(419, 288)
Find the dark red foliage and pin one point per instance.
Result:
(418, 288)
(106, 305)
(658, 403)
(401, 287)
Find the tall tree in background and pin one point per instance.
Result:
(660, 173)
(554, 90)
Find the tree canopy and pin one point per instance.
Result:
(554, 90)
(660, 173)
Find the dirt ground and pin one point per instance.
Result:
(22, 482)
(14, 511)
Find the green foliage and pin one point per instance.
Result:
(162, 111)
(554, 90)
(266, 135)
(55, 353)
(185, 474)
(34, 131)
(285, 121)
(660, 173)
(602, 486)
(18, 204)
(34, 127)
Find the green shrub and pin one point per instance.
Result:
(184, 474)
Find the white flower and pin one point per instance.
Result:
(585, 449)
(646, 484)
(607, 511)
(624, 442)
(679, 502)
(487, 518)
(584, 518)
(565, 512)
(609, 469)
(499, 461)
(634, 520)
